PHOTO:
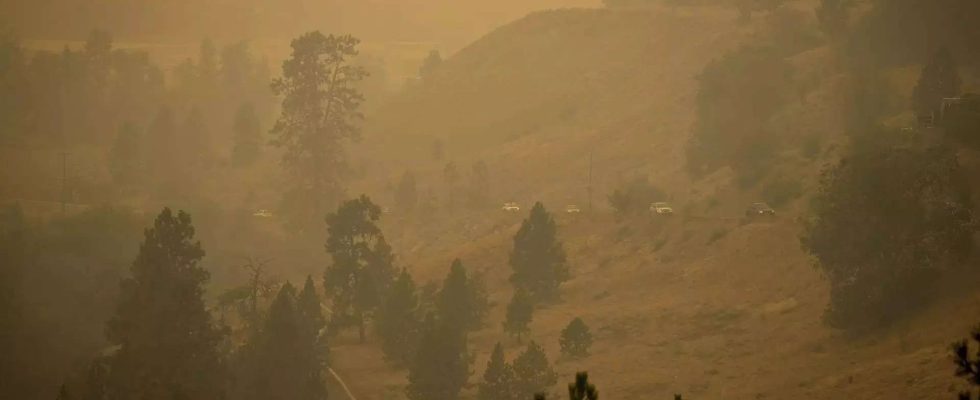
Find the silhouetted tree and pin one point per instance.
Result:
(310, 310)
(195, 138)
(283, 360)
(534, 373)
(167, 342)
(576, 339)
(238, 72)
(163, 143)
(737, 96)
(520, 311)
(581, 389)
(125, 156)
(479, 193)
(967, 366)
(398, 321)
(98, 54)
(635, 197)
(361, 269)
(442, 364)
(319, 114)
(207, 70)
(479, 297)
(499, 382)
(431, 63)
(887, 221)
(538, 259)
(458, 302)
(451, 175)
(248, 136)
(939, 79)
(407, 194)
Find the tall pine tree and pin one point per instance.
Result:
(398, 321)
(939, 80)
(520, 311)
(459, 303)
(319, 114)
(498, 379)
(575, 339)
(442, 363)
(310, 309)
(361, 270)
(281, 361)
(538, 259)
(167, 343)
(125, 161)
(248, 136)
(534, 373)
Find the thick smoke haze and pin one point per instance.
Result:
(449, 22)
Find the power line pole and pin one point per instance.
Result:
(590, 182)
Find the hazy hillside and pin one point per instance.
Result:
(705, 304)
(545, 90)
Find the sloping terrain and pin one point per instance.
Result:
(706, 304)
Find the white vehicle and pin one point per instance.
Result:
(661, 208)
(511, 207)
(572, 209)
(262, 213)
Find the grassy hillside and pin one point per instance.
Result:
(705, 304)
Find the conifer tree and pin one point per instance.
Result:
(451, 174)
(575, 339)
(398, 321)
(498, 379)
(479, 192)
(939, 80)
(520, 311)
(361, 269)
(248, 136)
(458, 301)
(429, 66)
(168, 345)
(538, 259)
(319, 114)
(581, 389)
(442, 363)
(282, 361)
(534, 373)
(162, 142)
(310, 309)
(125, 155)
(195, 140)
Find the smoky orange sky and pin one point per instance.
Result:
(451, 23)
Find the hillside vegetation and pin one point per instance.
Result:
(707, 303)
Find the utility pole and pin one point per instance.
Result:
(590, 181)
(64, 182)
